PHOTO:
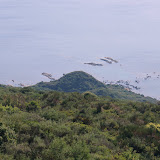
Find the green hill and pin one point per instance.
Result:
(80, 81)
(73, 82)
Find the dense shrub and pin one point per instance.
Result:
(73, 126)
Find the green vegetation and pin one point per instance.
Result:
(119, 92)
(81, 82)
(73, 82)
(51, 125)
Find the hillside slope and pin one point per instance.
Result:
(72, 126)
(80, 81)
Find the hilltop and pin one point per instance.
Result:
(80, 81)
(77, 81)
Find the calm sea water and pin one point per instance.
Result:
(59, 36)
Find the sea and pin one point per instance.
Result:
(59, 36)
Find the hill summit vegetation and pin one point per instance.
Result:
(77, 81)
(81, 82)
(51, 125)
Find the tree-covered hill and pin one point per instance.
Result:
(77, 81)
(119, 92)
(51, 125)
(80, 81)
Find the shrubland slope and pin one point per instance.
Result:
(37, 125)
(80, 81)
